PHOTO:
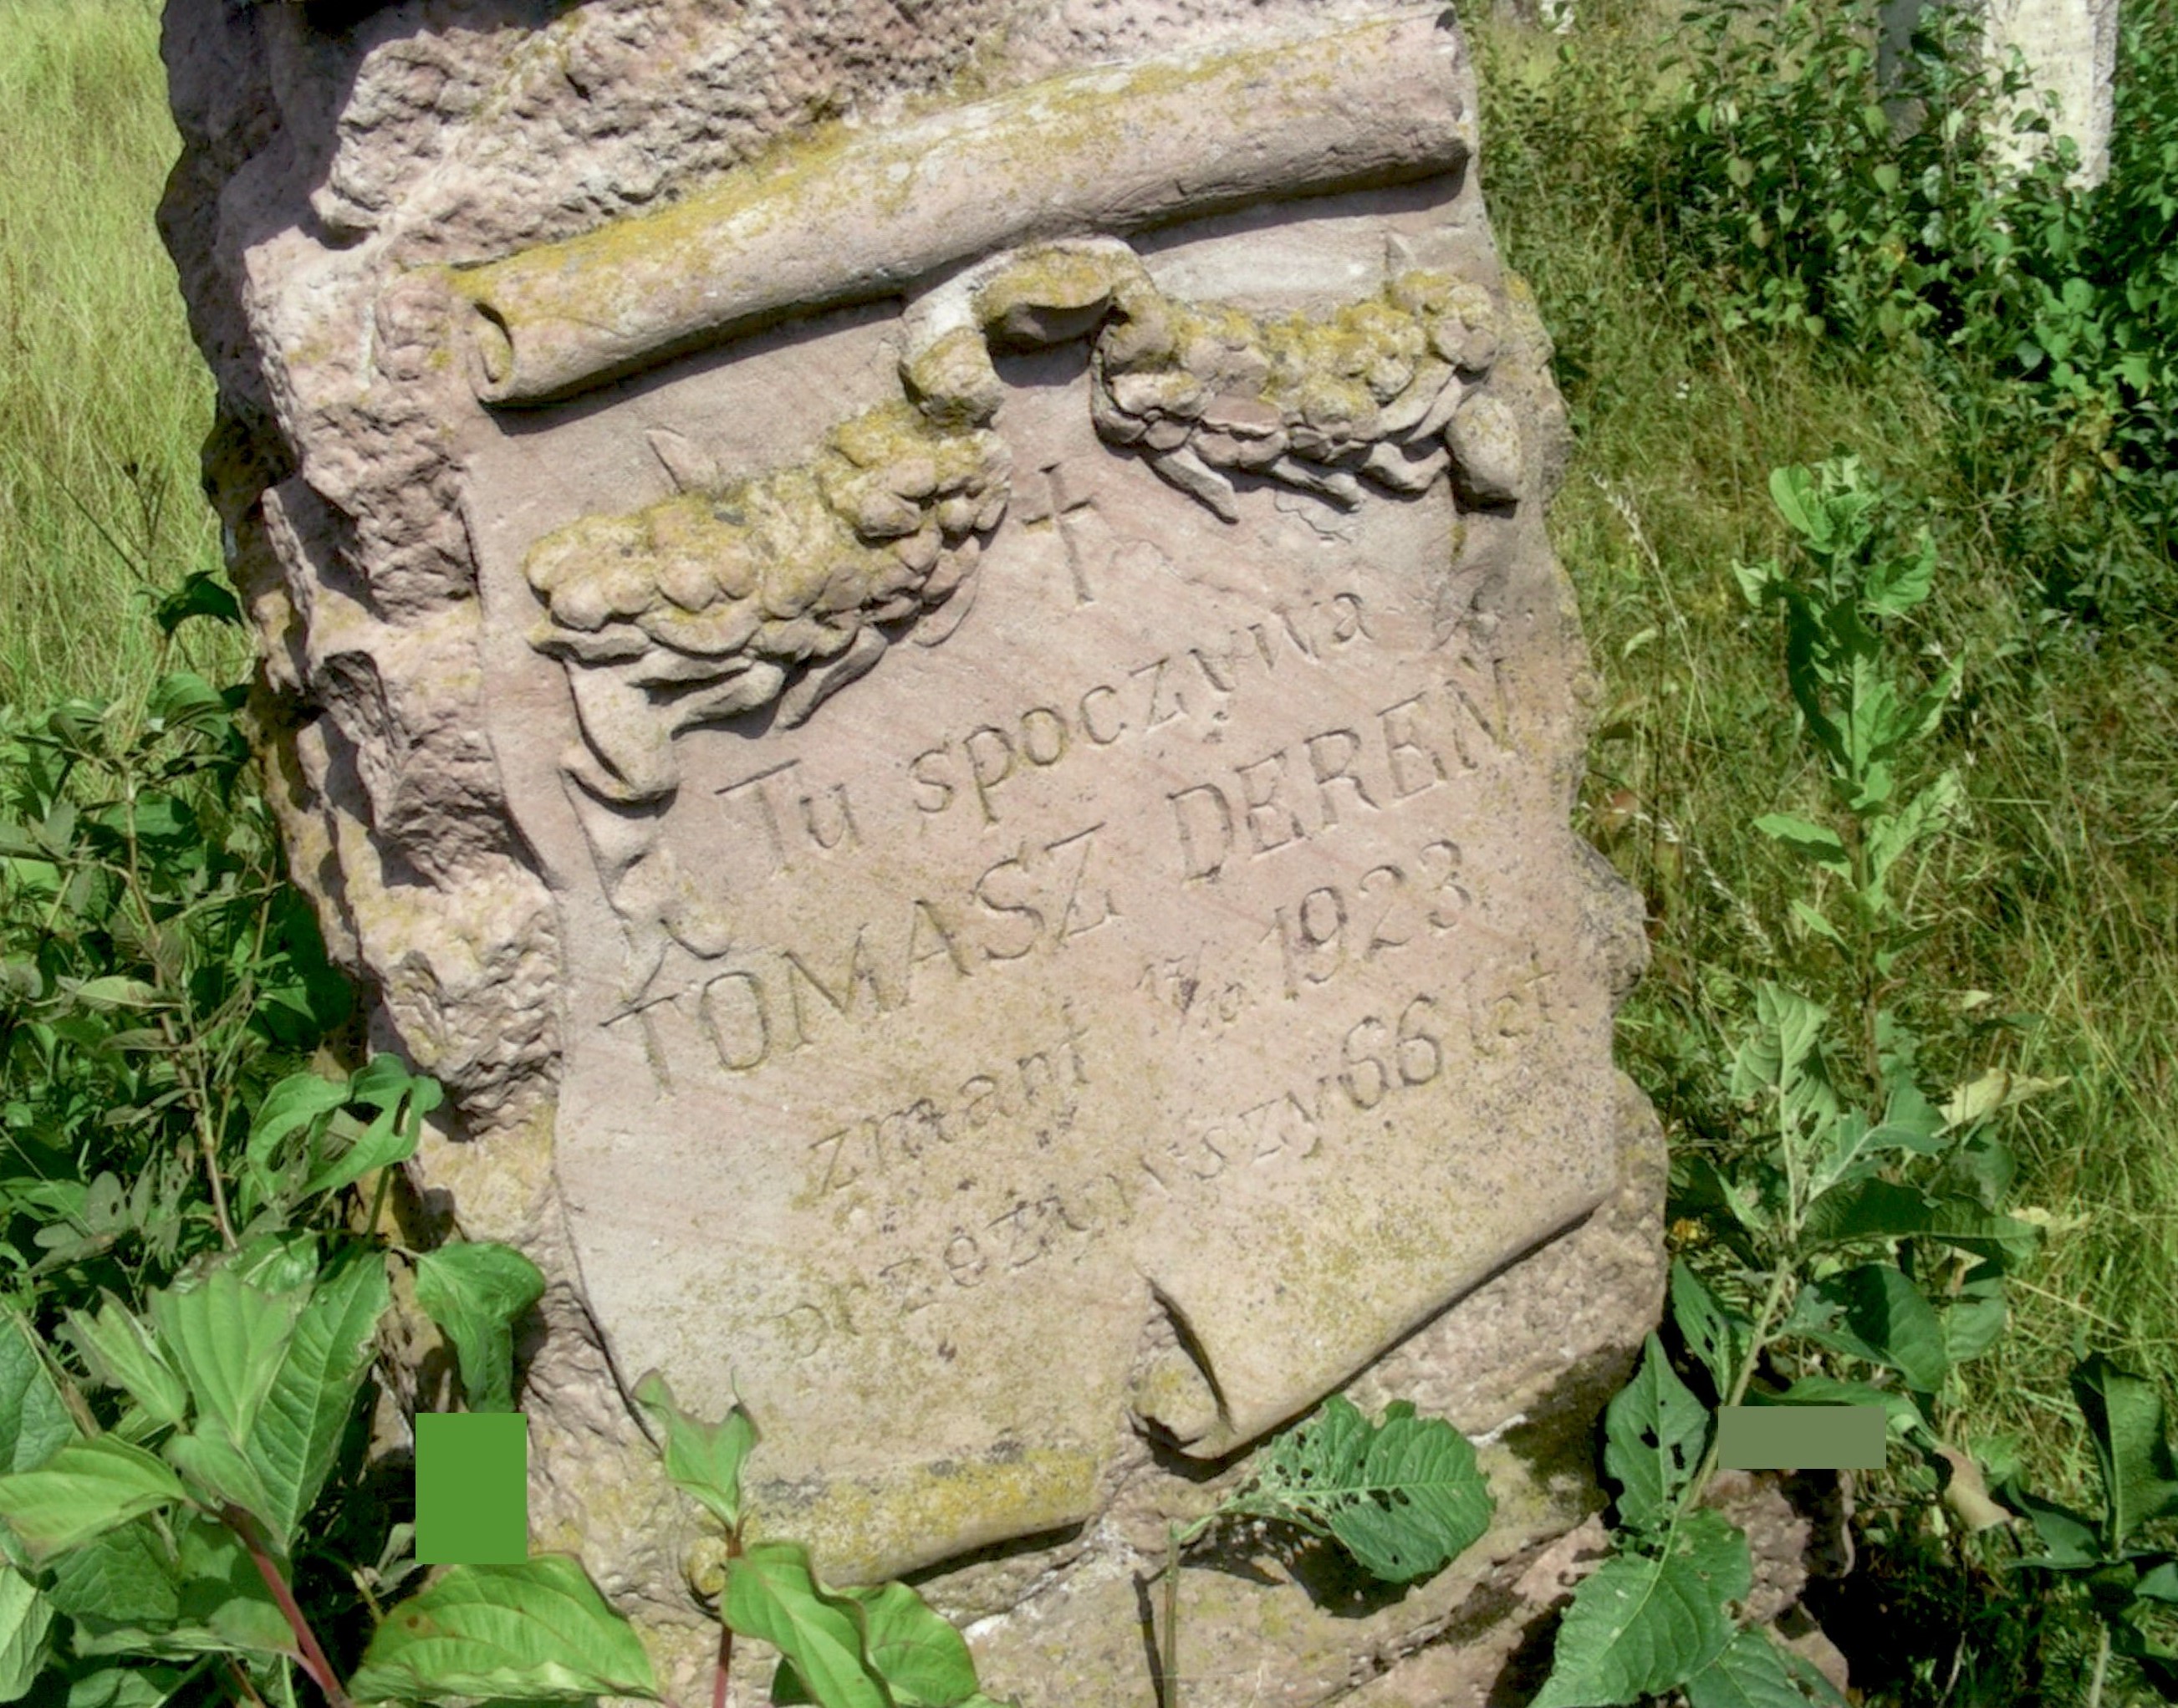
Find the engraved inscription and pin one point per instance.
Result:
(1021, 1100)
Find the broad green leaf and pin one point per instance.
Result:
(2069, 1539)
(384, 1083)
(26, 1616)
(113, 990)
(1871, 727)
(35, 1423)
(118, 1346)
(1329, 1445)
(1849, 1152)
(1810, 841)
(2160, 1583)
(1920, 717)
(303, 1103)
(126, 1687)
(122, 1578)
(402, 1099)
(280, 1261)
(1874, 1311)
(307, 1407)
(1889, 836)
(1787, 1029)
(1901, 1414)
(290, 1106)
(1750, 1673)
(1910, 1120)
(217, 1602)
(923, 1662)
(474, 1292)
(84, 1490)
(1894, 586)
(2125, 1417)
(1974, 1316)
(1402, 1497)
(1817, 921)
(1419, 1502)
(1640, 1625)
(224, 1593)
(1727, 1205)
(229, 1337)
(1793, 491)
(1715, 1335)
(772, 1594)
(525, 1633)
(216, 1468)
(703, 1460)
(1653, 1433)
(1874, 1209)
(185, 698)
(1780, 1055)
(202, 593)
(382, 1145)
(1981, 1167)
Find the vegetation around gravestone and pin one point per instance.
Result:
(1938, 1058)
(1402, 1497)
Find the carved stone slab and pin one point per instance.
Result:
(959, 742)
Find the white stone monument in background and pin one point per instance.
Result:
(2069, 51)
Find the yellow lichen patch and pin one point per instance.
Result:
(1207, 390)
(864, 1528)
(784, 566)
(835, 216)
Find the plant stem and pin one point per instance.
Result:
(2102, 1663)
(726, 1662)
(241, 1679)
(1779, 1279)
(207, 1141)
(71, 1396)
(312, 1655)
(1171, 1655)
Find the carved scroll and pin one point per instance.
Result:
(1109, 150)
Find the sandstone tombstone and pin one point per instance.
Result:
(915, 648)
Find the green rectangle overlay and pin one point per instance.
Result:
(1801, 1437)
(472, 1488)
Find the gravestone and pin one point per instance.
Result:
(914, 647)
(2067, 50)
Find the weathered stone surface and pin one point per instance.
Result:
(915, 647)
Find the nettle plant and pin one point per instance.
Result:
(1856, 1251)
(186, 1321)
(1401, 1499)
(164, 1451)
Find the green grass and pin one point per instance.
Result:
(2060, 898)
(103, 400)
(2054, 953)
